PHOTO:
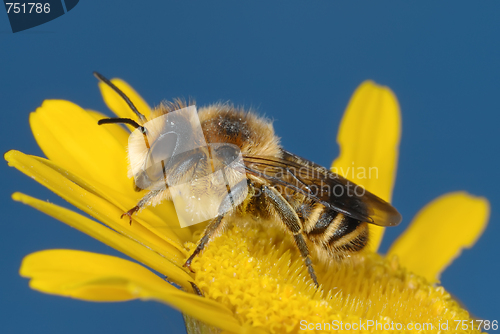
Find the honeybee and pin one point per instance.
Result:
(326, 214)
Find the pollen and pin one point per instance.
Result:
(260, 276)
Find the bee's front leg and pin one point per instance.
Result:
(145, 201)
(130, 212)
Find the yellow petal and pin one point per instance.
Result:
(109, 237)
(369, 137)
(84, 197)
(439, 232)
(70, 136)
(117, 105)
(98, 277)
(165, 226)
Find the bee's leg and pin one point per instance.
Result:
(292, 222)
(177, 166)
(130, 212)
(196, 289)
(236, 195)
(142, 203)
(209, 231)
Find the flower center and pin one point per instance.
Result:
(260, 276)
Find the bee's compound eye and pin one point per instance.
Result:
(227, 153)
(159, 154)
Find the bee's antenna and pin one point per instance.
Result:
(120, 120)
(142, 118)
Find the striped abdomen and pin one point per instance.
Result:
(337, 233)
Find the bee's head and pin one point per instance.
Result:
(155, 143)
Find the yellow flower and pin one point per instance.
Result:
(253, 280)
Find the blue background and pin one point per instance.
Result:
(297, 62)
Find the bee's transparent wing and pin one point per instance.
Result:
(321, 185)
